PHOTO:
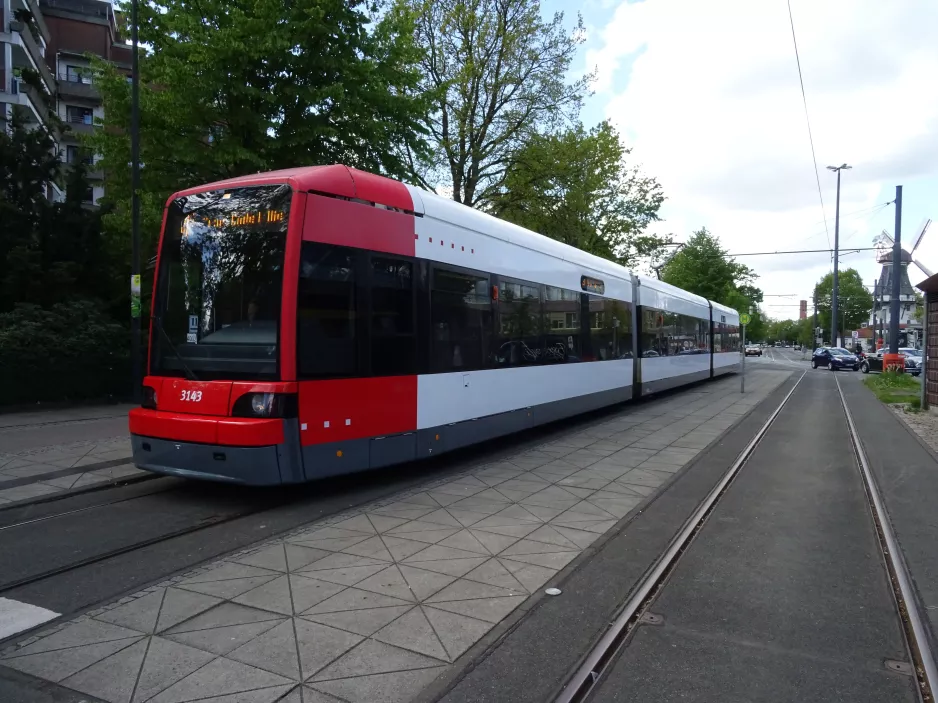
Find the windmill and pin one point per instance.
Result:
(884, 243)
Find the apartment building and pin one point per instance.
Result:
(55, 39)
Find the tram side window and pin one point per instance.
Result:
(326, 305)
(610, 328)
(460, 320)
(393, 342)
(673, 334)
(652, 322)
(560, 322)
(519, 335)
(703, 335)
(730, 336)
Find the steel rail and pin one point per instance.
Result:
(589, 672)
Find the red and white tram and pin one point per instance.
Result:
(323, 320)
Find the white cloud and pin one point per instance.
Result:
(713, 109)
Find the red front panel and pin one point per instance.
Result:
(197, 397)
(334, 411)
(177, 426)
(348, 224)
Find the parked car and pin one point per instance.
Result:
(874, 362)
(753, 350)
(797, 347)
(834, 358)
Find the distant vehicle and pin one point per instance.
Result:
(874, 362)
(778, 345)
(834, 358)
(797, 347)
(753, 350)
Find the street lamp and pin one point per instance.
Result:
(135, 207)
(836, 290)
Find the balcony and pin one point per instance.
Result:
(79, 123)
(78, 86)
(30, 54)
(30, 100)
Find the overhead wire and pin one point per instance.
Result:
(804, 99)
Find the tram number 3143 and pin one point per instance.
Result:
(192, 396)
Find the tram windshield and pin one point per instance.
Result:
(217, 309)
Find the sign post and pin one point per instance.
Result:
(744, 320)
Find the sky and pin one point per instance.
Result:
(707, 96)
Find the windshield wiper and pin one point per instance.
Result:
(159, 325)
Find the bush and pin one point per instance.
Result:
(69, 351)
(915, 404)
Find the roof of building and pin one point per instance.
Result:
(929, 285)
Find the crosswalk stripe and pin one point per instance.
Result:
(17, 617)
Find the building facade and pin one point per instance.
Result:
(56, 39)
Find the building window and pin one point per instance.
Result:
(77, 74)
(326, 312)
(460, 320)
(74, 154)
(88, 195)
(79, 115)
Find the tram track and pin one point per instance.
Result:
(594, 666)
(579, 686)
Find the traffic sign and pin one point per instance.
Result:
(745, 318)
(856, 334)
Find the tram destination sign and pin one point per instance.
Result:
(592, 285)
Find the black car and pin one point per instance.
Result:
(834, 358)
(874, 362)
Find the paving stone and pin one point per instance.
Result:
(581, 538)
(272, 557)
(331, 544)
(619, 507)
(348, 576)
(520, 513)
(372, 547)
(493, 573)
(637, 488)
(467, 518)
(437, 552)
(373, 657)
(227, 589)
(220, 677)
(642, 477)
(407, 513)
(224, 615)
(449, 567)
(221, 640)
(275, 650)
(526, 546)
(361, 622)
(464, 540)
(531, 577)
(340, 561)
(456, 632)
(491, 610)
(359, 523)
(355, 599)
(388, 582)
(401, 548)
(463, 589)
(515, 531)
(307, 591)
(78, 634)
(31, 490)
(140, 614)
(553, 560)
(494, 542)
(318, 645)
(383, 524)
(396, 687)
(548, 535)
(59, 664)
(179, 605)
(412, 631)
(328, 532)
(228, 570)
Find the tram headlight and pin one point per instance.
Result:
(265, 405)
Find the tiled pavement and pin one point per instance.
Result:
(373, 604)
(46, 466)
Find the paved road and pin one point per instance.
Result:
(32, 430)
(783, 596)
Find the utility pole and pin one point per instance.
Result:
(896, 278)
(135, 209)
(875, 291)
(814, 329)
(836, 291)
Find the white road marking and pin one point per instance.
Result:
(16, 617)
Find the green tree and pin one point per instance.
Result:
(497, 73)
(703, 267)
(854, 301)
(577, 187)
(230, 88)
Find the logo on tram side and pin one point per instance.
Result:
(592, 285)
